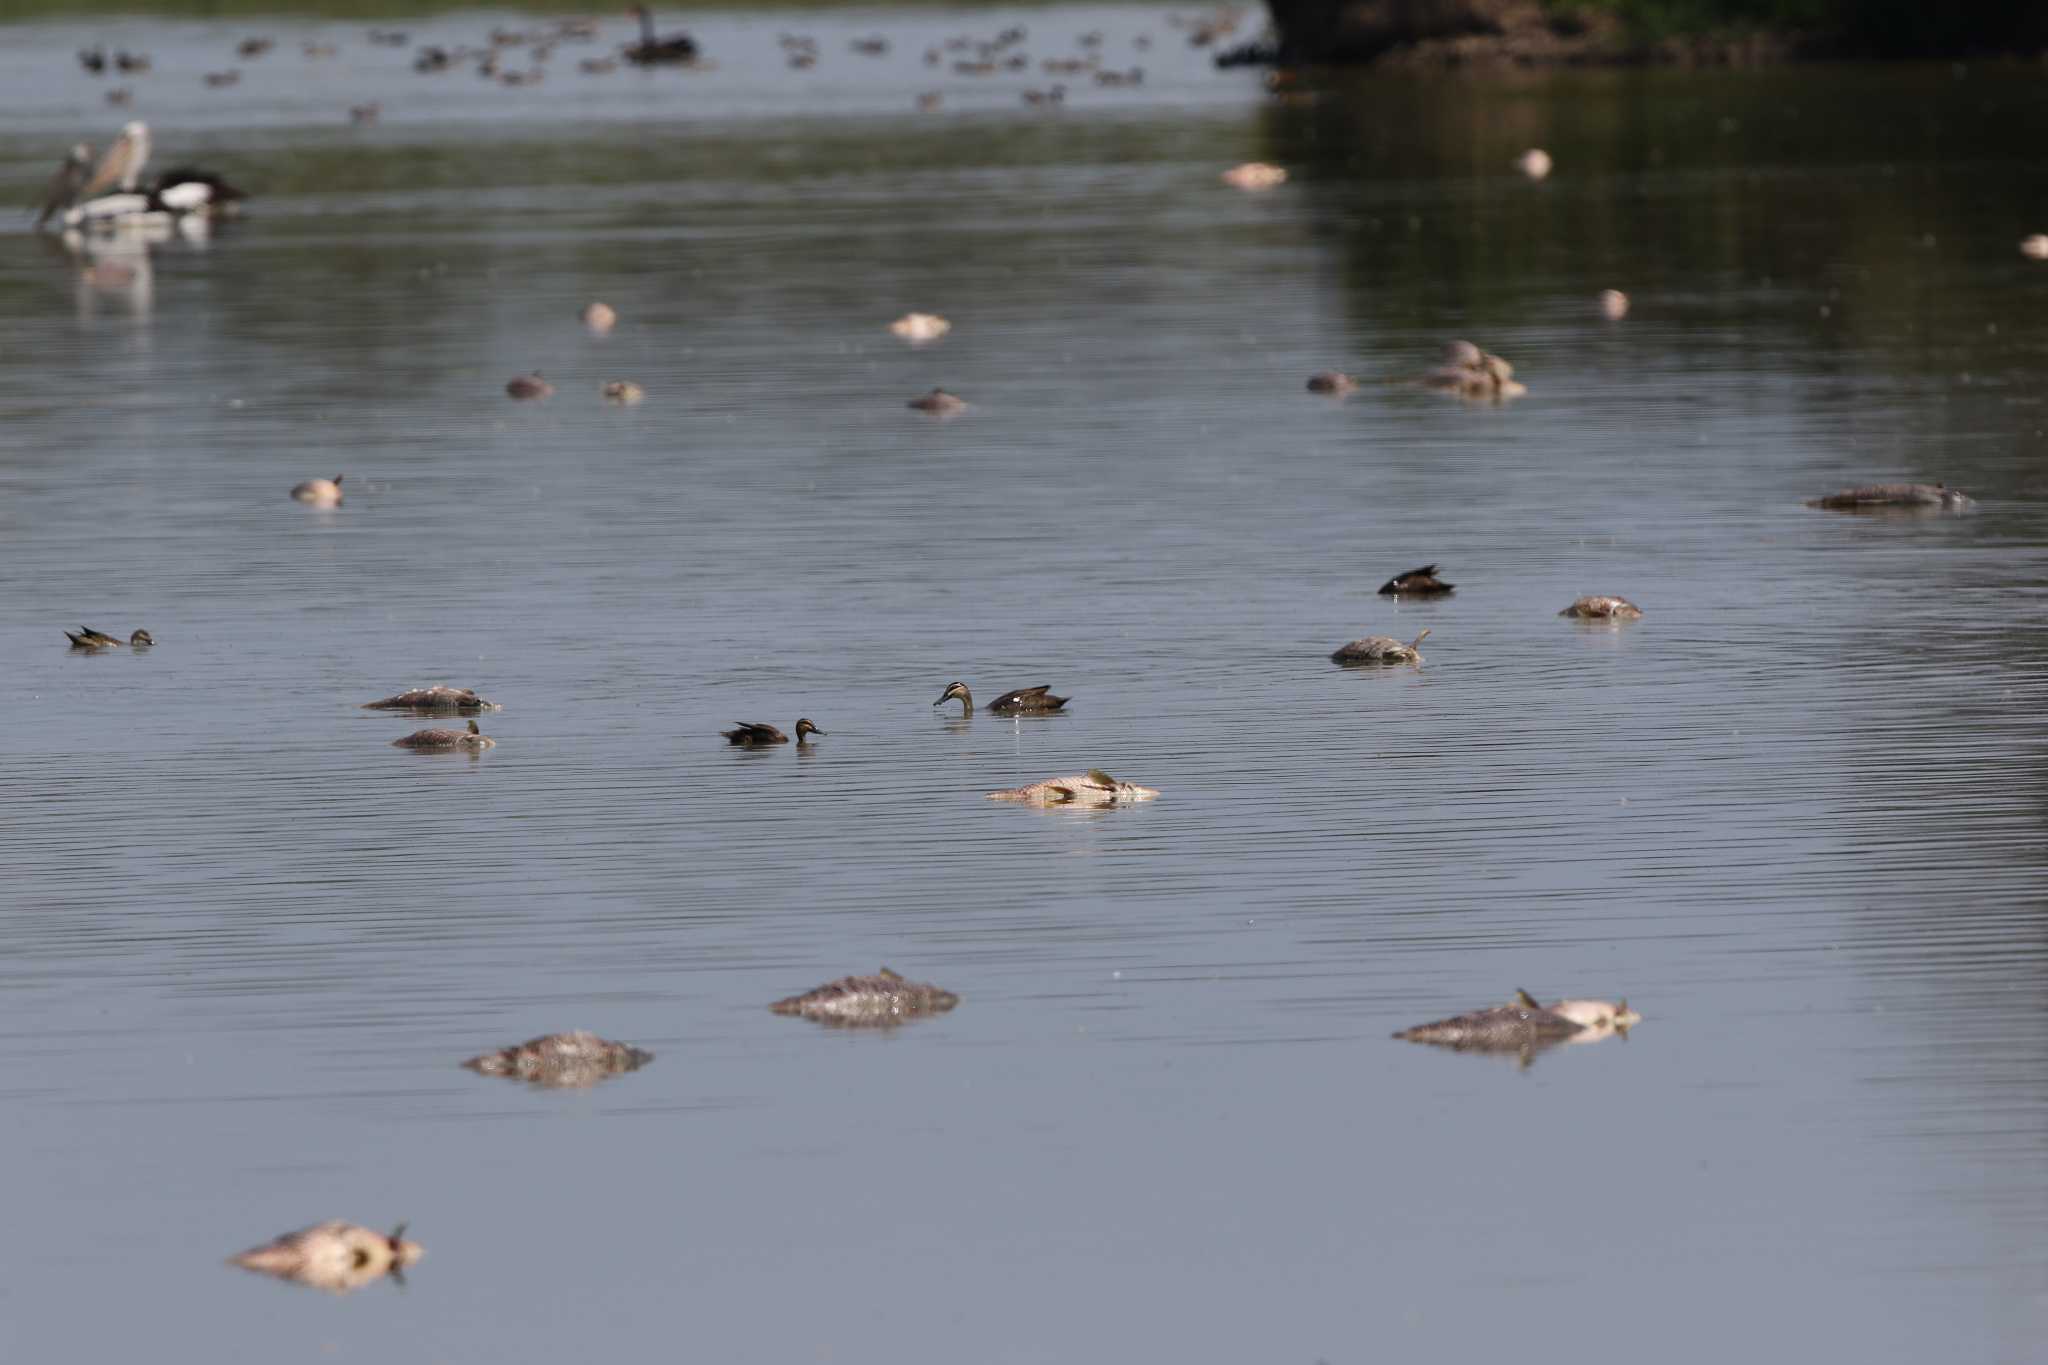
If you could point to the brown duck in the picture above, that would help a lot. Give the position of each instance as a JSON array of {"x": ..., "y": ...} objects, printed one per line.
[
  {"x": 1421, "y": 582},
  {"x": 1010, "y": 703},
  {"x": 751, "y": 734}
]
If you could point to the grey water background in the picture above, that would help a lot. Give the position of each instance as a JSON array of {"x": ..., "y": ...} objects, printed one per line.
[{"x": 1794, "y": 814}]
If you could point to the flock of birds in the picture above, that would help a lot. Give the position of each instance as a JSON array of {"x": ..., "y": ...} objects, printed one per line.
[{"x": 519, "y": 57}]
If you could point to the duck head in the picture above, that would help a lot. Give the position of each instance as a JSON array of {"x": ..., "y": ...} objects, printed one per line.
[
  {"x": 956, "y": 691},
  {"x": 141, "y": 639},
  {"x": 804, "y": 727}
]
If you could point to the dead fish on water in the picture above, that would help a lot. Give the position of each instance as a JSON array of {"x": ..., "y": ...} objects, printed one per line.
[
  {"x": 1380, "y": 649},
  {"x": 1092, "y": 788},
  {"x": 319, "y": 492},
  {"x": 1604, "y": 608},
  {"x": 562, "y": 1060},
  {"x": 1526, "y": 1026},
  {"x": 474, "y": 740},
  {"x": 1880, "y": 496},
  {"x": 439, "y": 697},
  {"x": 881, "y": 1000},
  {"x": 334, "y": 1256}
]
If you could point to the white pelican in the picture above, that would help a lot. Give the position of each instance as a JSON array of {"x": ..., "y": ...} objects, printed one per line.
[{"x": 177, "y": 194}]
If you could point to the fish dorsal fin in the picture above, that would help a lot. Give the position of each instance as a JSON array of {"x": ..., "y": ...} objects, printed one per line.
[
  {"x": 1526, "y": 1000},
  {"x": 1099, "y": 776}
]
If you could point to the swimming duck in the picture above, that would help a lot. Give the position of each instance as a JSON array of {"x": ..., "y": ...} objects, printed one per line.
[
  {"x": 879, "y": 1001},
  {"x": 753, "y": 735},
  {"x": 133, "y": 63},
  {"x": 1254, "y": 175},
  {"x": 1334, "y": 382},
  {"x": 1881, "y": 495},
  {"x": 529, "y": 386},
  {"x": 1010, "y": 703},
  {"x": 319, "y": 492},
  {"x": 1380, "y": 649},
  {"x": 1600, "y": 608},
  {"x": 85, "y": 637},
  {"x": 653, "y": 51},
  {"x": 1092, "y": 788},
  {"x": 472, "y": 739},
  {"x": 438, "y": 698},
  {"x": 560, "y": 1061},
  {"x": 94, "y": 60},
  {"x": 334, "y": 1256},
  {"x": 623, "y": 393},
  {"x": 939, "y": 403},
  {"x": 249, "y": 49},
  {"x": 920, "y": 327},
  {"x": 1421, "y": 582}
]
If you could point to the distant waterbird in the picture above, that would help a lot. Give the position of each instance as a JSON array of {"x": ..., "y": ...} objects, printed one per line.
[
  {"x": 1333, "y": 382},
  {"x": 599, "y": 318},
  {"x": 657, "y": 51},
  {"x": 529, "y": 387},
  {"x": 623, "y": 393}
]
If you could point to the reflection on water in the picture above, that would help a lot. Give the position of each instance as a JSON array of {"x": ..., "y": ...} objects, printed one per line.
[{"x": 1794, "y": 813}]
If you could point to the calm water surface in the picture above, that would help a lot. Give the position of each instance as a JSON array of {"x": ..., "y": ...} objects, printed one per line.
[{"x": 1795, "y": 815}]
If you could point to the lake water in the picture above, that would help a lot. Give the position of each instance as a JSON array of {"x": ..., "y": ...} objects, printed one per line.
[{"x": 1795, "y": 814}]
